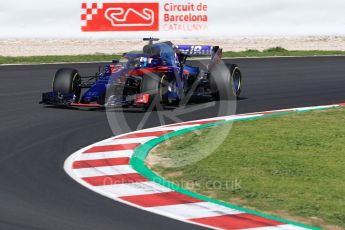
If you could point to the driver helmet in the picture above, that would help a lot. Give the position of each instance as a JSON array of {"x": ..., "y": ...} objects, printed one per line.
[{"x": 143, "y": 61}]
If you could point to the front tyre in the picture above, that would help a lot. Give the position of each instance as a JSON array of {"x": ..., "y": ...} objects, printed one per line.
[
  {"x": 156, "y": 87},
  {"x": 236, "y": 80},
  {"x": 67, "y": 81}
]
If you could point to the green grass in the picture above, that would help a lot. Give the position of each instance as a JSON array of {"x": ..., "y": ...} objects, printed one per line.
[
  {"x": 277, "y": 51},
  {"x": 292, "y": 166},
  {"x": 62, "y": 58}
]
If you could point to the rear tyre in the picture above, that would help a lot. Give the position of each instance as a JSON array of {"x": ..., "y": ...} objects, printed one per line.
[
  {"x": 225, "y": 82},
  {"x": 67, "y": 81}
]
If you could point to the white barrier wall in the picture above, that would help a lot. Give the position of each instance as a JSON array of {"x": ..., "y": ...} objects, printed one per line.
[{"x": 62, "y": 19}]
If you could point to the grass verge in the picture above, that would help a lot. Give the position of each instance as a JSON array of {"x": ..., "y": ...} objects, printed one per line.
[
  {"x": 55, "y": 59},
  {"x": 277, "y": 51},
  {"x": 291, "y": 166},
  {"x": 281, "y": 52}
]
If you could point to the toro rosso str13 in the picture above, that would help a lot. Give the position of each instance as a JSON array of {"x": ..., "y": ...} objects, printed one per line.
[{"x": 158, "y": 75}]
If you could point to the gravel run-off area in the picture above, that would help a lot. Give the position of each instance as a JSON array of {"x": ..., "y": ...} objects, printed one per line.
[{"x": 34, "y": 47}]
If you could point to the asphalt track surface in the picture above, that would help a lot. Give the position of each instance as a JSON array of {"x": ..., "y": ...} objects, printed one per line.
[{"x": 36, "y": 193}]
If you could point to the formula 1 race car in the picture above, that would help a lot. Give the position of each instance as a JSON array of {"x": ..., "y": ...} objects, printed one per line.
[{"x": 158, "y": 75}]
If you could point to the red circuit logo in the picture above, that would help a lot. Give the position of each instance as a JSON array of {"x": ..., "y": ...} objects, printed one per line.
[{"x": 120, "y": 17}]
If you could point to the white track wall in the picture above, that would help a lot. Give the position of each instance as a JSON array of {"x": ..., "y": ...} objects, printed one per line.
[{"x": 61, "y": 19}]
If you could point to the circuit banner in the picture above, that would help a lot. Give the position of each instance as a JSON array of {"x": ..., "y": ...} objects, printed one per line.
[
  {"x": 144, "y": 16},
  {"x": 170, "y": 19}
]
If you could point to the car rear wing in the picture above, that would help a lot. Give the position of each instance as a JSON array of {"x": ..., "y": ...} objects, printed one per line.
[
  {"x": 215, "y": 52},
  {"x": 198, "y": 50}
]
